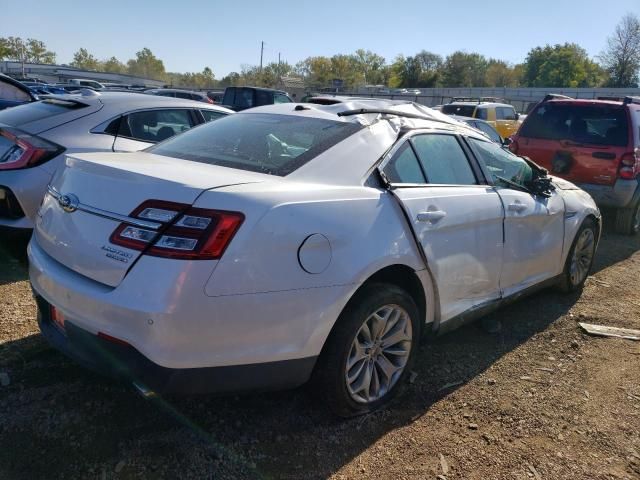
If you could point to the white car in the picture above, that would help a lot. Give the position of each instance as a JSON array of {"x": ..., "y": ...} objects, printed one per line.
[
  {"x": 292, "y": 241},
  {"x": 35, "y": 137}
]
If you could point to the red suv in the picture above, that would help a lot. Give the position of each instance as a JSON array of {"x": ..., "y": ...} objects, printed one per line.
[{"x": 592, "y": 143}]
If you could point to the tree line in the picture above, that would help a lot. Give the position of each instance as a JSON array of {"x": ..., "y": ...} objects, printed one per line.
[{"x": 561, "y": 65}]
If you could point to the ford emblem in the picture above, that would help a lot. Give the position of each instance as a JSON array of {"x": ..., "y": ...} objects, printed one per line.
[{"x": 69, "y": 202}]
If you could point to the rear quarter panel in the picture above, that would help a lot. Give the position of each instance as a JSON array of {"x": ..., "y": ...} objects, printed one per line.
[{"x": 364, "y": 227}]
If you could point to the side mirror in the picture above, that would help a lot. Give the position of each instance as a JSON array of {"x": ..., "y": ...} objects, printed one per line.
[
  {"x": 517, "y": 116},
  {"x": 507, "y": 141}
]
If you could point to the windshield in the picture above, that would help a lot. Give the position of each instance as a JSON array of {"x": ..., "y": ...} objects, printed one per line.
[
  {"x": 461, "y": 110},
  {"x": 259, "y": 142},
  {"x": 590, "y": 124}
]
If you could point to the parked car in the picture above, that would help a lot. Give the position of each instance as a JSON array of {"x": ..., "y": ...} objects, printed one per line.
[
  {"x": 177, "y": 93},
  {"x": 39, "y": 88},
  {"x": 34, "y": 138},
  {"x": 594, "y": 143},
  {"x": 502, "y": 116},
  {"x": 484, "y": 127},
  {"x": 13, "y": 93},
  {"x": 291, "y": 241},
  {"x": 241, "y": 98},
  {"x": 216, "y": 96},
  {"x": 83, "y": 82}
]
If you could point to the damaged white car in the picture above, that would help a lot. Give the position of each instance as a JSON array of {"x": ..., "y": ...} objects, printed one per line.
[{"x": 293, "y": 242}]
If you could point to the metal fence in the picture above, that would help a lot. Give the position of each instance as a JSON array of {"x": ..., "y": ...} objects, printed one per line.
[{"x": 520, "y": 98}]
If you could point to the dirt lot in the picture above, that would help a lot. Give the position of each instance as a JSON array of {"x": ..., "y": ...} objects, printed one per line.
[{"x": 540, "y": 400}]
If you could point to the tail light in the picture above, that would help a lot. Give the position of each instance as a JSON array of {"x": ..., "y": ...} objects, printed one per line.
[
  {"x": 20, "y": 149},
  {"x": 629, "y": 165},
  {"x": 186, "y": 232},
  {"x": 513, "y": 146},
  {"x": 209, "y": 100}
]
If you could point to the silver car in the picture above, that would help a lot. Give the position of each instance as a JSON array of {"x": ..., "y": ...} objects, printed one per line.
[{"x": 35, "y": 137}]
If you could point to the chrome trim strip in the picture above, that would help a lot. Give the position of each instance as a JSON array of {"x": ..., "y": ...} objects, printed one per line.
[{"x": 106, "y": 214}]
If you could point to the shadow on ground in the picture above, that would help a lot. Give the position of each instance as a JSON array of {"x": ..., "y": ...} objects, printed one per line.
[{"x": 81, "y": 425}]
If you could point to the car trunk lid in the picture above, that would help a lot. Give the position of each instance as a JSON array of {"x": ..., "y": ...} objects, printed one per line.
[{"x": 97, "y": 193}]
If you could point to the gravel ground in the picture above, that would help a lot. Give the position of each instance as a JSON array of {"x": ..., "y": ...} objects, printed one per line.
[{"x": 540, "y": 400}]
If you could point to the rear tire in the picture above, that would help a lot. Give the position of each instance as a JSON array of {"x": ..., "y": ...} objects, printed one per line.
[
  {"x": 628, "y": 220},
  {"x": 370, "y": 351},
  {"x": 580, "y": 258}
]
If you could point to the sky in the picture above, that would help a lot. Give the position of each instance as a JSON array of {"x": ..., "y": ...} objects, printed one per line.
[{"x": 191, "y": 34}]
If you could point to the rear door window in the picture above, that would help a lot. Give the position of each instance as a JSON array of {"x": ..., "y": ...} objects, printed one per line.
[
  {"x": 482, "y": 113},
  {"x": 588, "y": 124},
  {"x": 443, "y": 160},
  {"x": 404, "y": 167},
  {"x": 155, "y": 125}
]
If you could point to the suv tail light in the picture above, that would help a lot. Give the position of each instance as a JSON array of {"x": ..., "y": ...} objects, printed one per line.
[
  {"x": 629, "y": 165},
  {"x": 208, "y": 99},
  {"x": 20, "y": 149},
  {"x": 186, "y": 233}
]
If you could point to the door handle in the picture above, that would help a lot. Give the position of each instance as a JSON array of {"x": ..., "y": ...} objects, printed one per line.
[
  {"x": 431, "y": 216},
  {"x": 517, "y": 207}
]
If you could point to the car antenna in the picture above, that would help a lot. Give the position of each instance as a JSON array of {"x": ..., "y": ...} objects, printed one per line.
[{"x": 362, "y": 111}]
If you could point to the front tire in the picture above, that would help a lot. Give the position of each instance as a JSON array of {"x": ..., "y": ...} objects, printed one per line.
[
  {"x": 580, "y": 258},
  {"x": 370, "y": 351},
  {"x": 628, "y": 220}
]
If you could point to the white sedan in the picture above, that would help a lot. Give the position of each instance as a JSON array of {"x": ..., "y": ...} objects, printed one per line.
[{"x": 292, "y": 242}]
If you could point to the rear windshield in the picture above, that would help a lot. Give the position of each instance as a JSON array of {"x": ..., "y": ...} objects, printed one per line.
[
  {"x": 590, "y": 124},
  {"x": 461, "y": 110},
  {"x": 258, "y": 142},
  {"x": 37, "y": 111}
]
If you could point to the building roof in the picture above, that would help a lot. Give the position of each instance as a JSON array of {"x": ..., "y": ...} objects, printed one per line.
[{"x": 292, "y": 82}]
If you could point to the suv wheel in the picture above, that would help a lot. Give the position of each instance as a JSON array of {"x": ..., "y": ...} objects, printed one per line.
[
  {"x": 370, "y": 351},
  {"x": 580, "y": 258},
  {"x": 628, "y": 220}
]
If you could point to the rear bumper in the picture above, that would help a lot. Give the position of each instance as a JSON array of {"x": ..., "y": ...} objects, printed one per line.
[
  {"x": 124, "y": 363},
  {"x": 618, "y": 195}
]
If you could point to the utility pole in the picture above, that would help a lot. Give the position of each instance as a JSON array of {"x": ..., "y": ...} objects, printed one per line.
[
  {"x": 279, "y": 68},
  {"x": 261, "y": 53}
]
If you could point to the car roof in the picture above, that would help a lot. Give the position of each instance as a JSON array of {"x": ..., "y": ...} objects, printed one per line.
[
  {"x": 135, "y": 100},
  {"x": 260, "y": 88},
  {"x": 583, "y": 101},
  {"x": 433, "y": 119},
  {"x": 174, "y": 90},
  {"x": 481, "y": 104},
  {"x": 469, "y": 119}
]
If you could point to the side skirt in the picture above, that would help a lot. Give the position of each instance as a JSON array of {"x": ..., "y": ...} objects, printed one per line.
[{"x": 483, "y": 309}]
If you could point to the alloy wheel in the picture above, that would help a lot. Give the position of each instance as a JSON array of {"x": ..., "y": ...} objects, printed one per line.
[
  {"x": 582, "y": 257},
  {"x": 379, "y": 354}
]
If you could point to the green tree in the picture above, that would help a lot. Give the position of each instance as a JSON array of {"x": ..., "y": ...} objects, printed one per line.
[
  {"x": 146, "y": 65},
  {"x": 36, "y": 52},
  {"x": 113, "y": 65},
  {"x": 371, "y": 65},
  {"x": 31, "y": 50},
  {"x": 463, "y": 69},
  {"x": 621, "y": 57},
  {"x": 501, "y": 74},
  {"x": 565, "y": 65},
  {"x": 84, "y": 60}
]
